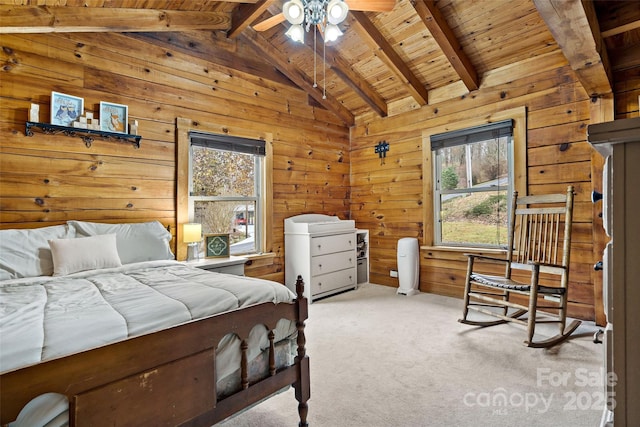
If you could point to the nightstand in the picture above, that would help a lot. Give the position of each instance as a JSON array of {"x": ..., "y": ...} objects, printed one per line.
[{"x": 229, "y": 265}]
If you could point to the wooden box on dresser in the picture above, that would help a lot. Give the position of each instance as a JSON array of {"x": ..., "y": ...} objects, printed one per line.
[
  {"x": 321, "y": 248},
  {"x": 619, "y": 143}
]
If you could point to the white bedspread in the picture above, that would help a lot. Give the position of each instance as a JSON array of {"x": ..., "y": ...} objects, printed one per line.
[{"x": 47, "y": 317}]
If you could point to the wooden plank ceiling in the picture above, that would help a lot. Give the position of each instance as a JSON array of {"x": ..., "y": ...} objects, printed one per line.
[{"x": 385, "y": 61}]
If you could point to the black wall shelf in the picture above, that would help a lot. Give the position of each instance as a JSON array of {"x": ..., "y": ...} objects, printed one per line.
[{"x": 87, "y": 135}]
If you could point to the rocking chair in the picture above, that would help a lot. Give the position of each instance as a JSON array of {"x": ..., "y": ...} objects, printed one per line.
[{"x": 536, "y": 270}]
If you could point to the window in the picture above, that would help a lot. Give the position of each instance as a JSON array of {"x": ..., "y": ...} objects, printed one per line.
[
  {"x": 473, "y": 180},
  {"x": 226, "y": 187}
]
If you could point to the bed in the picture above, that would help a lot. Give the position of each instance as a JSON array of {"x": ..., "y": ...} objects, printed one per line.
[{"x": 100, "y": 326}]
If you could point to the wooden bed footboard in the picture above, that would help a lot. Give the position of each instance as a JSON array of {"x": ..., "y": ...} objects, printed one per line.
[{"x": 166, "y": 377}]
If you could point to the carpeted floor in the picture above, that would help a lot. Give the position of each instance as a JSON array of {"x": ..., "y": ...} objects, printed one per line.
[{"x": 384, "y": 360}]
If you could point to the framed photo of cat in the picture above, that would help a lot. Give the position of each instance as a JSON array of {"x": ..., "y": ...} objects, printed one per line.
[{"x": 113, "y": 117}]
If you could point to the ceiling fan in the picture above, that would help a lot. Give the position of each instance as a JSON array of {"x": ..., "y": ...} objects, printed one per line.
[{"x": 362, "y": 5}]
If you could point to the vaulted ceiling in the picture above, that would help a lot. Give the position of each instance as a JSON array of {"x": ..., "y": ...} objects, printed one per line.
[{"x": 386, "y": 61}]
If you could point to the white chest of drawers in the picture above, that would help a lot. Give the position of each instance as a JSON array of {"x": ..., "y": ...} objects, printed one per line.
[
  {"x": 324, "y": 256},
  {"x": 619, "y": 142}
]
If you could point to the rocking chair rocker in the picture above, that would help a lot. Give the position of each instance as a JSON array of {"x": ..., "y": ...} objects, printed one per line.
[{"x": 538, "y": 253}]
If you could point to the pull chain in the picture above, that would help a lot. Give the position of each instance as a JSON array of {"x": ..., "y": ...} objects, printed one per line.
[
  {"x": 315, "y": 37},
  {"x": 324, "y": 67}
]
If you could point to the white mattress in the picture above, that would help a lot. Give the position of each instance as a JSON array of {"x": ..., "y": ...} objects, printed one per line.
[{"x": 47, "y": 317}]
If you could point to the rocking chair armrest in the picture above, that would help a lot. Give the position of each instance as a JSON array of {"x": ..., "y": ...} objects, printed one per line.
[
  {"x": 549, "y": 268},
  {"x": 486, "y": 258}
]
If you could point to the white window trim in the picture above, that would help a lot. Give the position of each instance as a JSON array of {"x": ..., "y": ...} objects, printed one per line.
[{"x": 256, "y": 198}]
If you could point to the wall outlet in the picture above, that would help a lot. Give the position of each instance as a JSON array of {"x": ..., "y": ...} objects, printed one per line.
[{"x": 393, "y": 273}]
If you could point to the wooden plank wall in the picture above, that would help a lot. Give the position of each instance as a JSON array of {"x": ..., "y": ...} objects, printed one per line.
[
  {"x": 49, "y": 179},
  {"x": 387, "y": 198},
  {"x": 627, "y": 93}
]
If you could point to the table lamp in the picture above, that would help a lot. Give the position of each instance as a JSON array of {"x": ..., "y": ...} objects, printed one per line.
[{"x": 192, "y": 235}]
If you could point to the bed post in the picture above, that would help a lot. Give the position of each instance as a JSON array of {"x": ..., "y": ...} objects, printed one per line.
[{"x": 302, "y": 385}]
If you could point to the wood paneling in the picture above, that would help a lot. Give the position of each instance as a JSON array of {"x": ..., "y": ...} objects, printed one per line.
[
  {"x": 49, "y": 179},
  {"x": 558, "y": 111},
  {"x": 318, "y": 165}
]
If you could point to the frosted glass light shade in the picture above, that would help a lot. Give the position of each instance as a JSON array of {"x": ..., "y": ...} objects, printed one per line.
[
  {"x": 332, "y": 33},
  {"x": 296, "y": 33},
  {"x": 293, "y": 10},
  {"x": 191, "y": 233},
  {"x": 337, "y": 11}
]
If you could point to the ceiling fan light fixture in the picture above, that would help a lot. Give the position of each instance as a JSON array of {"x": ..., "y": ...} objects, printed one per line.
[
  {"x": 332, "y": 33},
  {"x": 337, "y": 11},
  {"x": 293, "y": 11},
  {"x": 296, "y": 33}
]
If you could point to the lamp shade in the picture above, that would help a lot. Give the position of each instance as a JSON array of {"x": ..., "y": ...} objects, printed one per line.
[
  {"x": 332, "y": 33},
  {"x": 296, "y": 33},
  {"x": 337, "y": 11},
  {"x": 293, "y": 11},
  {"x": 191, "y": 233}
]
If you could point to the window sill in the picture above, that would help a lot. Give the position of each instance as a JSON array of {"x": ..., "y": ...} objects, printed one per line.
[
  {"x": 462, "y": 250},
  {"x": 264, "y": 258}
]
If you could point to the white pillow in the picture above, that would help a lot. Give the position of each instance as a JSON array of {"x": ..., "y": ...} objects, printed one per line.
[
  {"x": 137, "y": 242},
  {"x": 84, "y": 253},
  {"x": 26, "y": 252}
]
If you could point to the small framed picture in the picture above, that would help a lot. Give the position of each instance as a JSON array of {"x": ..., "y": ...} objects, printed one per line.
[
  {"x": 65, "y": 109},
  {"x": 216, "y": 245},
  {"x": 113, "y": 117}
]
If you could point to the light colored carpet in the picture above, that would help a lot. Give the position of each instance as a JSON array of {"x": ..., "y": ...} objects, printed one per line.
[{"x": 381, "y": 359}]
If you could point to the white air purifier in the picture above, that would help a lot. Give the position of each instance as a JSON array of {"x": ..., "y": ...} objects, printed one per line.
[{"x": 408, "y": 266}]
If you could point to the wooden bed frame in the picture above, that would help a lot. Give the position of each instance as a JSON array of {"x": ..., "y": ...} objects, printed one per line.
[{"x": 166, "y": 377}]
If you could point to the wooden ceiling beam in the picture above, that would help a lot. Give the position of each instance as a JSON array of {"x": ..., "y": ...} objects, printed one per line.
[
  {"x": 581, "y": 42},
  {"x": 338, "y": 64},
  {"x": 45, "y": 19},
  {"x": 448, "y": 42},
  {"x": 389, "y": 56},
  {"x": 359, "y": 85},
  {"x": 270, "y": 53},
  {"x": 245, "y": 14},
  {"x": 347, "y": 74}
]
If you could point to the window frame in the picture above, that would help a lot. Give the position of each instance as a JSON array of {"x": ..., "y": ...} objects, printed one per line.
[
  {"x": 183, "y": 127},
  {"x": 519, "y": 116},
  {"x": 465, "y": 137},
  {"x": 253, "y": 147}
]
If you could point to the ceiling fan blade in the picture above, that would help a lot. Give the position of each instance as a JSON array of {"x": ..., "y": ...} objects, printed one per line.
[
  {"x": 269, "y": 22},
  {"x": 363, "y": 5},
  {"x": 372, "y": 5}
]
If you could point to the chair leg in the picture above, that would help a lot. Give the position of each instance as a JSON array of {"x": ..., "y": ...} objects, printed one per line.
[
  {"x": 562, "y": 312},
  {"x": 506, "y": 296},
  {"x": 467, "y": 289},
  {"x": 533, "y": 304}
]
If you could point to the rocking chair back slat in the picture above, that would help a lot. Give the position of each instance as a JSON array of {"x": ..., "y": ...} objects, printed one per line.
[{"x": 538, "y": 234}]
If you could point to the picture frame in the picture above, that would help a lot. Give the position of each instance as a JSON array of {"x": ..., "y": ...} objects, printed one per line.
[
  {"x": 65, "y": 109},
  {"x": 113, "y": 117},
  {"x": 216, "y": 245}
]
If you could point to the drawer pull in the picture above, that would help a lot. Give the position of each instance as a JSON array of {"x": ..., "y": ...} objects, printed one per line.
[{"x": 319, "y": 265}]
